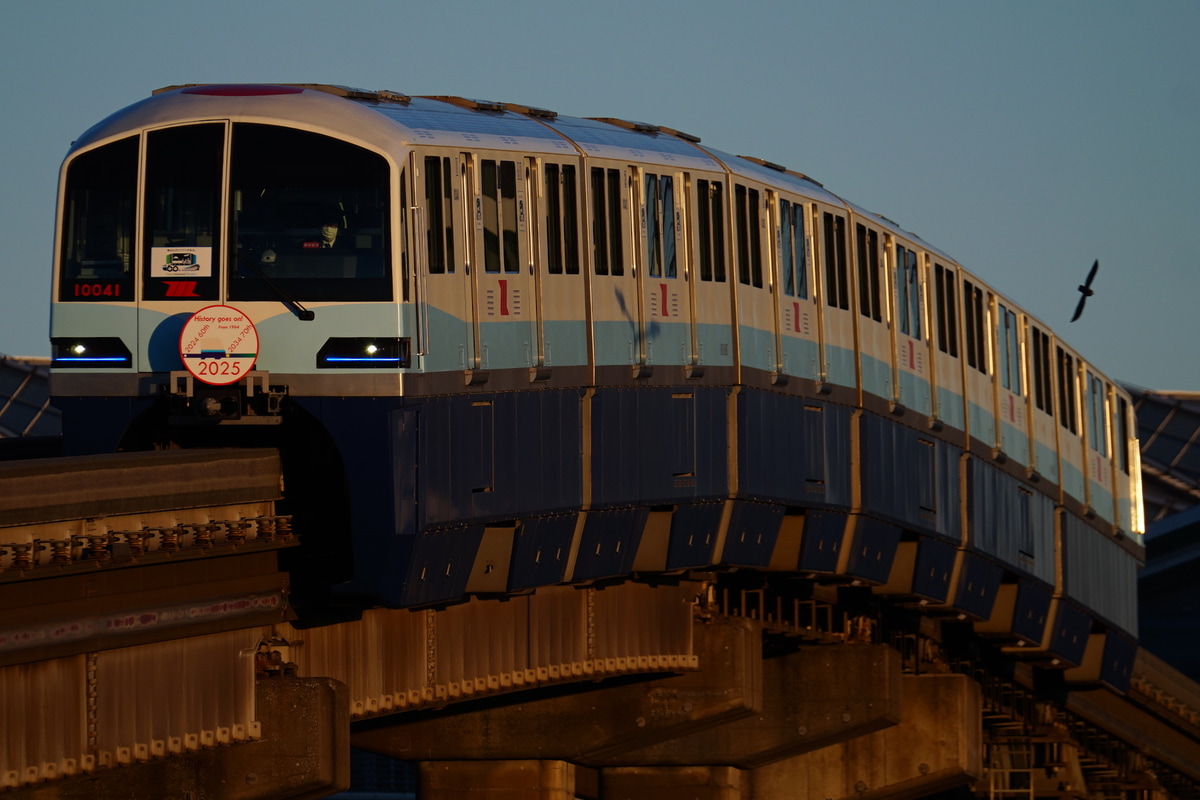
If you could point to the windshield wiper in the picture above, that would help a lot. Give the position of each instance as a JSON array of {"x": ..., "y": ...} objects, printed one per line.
[{"x": 293, "y": 304}]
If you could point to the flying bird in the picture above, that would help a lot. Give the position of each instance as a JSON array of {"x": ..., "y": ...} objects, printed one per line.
[{"x": 1086, "y": 289}]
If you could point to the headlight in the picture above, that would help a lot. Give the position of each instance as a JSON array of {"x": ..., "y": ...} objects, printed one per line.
[
  {"x": 104, "y": 351},
  {"x": 365, "y": 352}
]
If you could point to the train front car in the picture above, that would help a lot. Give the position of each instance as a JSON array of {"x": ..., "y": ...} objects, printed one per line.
[
  {"x": 501, "y": 349},
  {"x": 230, "y": 266}
]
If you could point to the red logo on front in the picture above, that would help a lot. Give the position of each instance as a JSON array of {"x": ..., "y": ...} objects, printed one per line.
[{"x": 181, "y": 289}]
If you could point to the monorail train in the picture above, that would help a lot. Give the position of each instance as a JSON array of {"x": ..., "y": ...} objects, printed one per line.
[{"x": 503, "y": 348}]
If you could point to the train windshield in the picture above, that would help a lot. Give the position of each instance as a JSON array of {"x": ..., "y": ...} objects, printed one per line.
[
  {"x": 98, "y": 224},
  {"x": 309, "y": 216}
]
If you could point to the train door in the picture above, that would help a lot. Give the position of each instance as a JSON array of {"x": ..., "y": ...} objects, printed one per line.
[
  {"x": 713, "y": 332},
  {"x": 666, "y": 307},
  {"x": 1070, "y": 435},
  {"x": 797, "y": 329},
  {"x": 947, "y": 369},
  {"x": 1099, "y": 464},
  {"x": 874, "y": 337},
  {"x": 836, "y": 317},
  {"x": 979, "y": 389},
  {"x": 447, "y": 340},
  {"x": 502, "y": 278},
  {"x": 561, "y": 311},
  {"x": 911, "y": 375},
  {"x": 1126, "y": 465},
  {"x": 755, "y": 309},
  {"x": 1011, "y": 400},
  {"x": 616, "y": 336},
  {"x": 1042, "y": 428}
]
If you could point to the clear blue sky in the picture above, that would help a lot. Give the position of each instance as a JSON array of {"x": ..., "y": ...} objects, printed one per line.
[{"x": 1024, "y": 138}]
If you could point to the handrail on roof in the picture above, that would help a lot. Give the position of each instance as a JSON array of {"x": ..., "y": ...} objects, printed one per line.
[
  {"x": 349, "y": 92},
  {"x": 468, "y": 103}
]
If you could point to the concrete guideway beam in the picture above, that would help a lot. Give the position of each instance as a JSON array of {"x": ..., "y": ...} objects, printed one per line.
[
  {"x": 674, "y": 783},
  {"x": 49, "y": 489},
  {"x": 499, "y": 780},
  {"x": 937, "y": 746},
  {"x": 594, "y": 725},
  {"x": 303, "y": 753},
  {"x": 813, "y": 698}
]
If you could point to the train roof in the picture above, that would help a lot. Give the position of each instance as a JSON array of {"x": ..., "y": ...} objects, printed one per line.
[
  {"x": 445, "y": 121},
  {"x": 895, "y": 229}
]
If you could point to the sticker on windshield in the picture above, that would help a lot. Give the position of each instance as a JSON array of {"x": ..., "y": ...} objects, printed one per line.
[
  {"x": 218, "y": 345},
  {"x": 181, "y": 262}
]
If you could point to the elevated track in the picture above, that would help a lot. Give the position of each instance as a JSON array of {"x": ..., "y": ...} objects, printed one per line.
[{"x": 148, "y": 647}]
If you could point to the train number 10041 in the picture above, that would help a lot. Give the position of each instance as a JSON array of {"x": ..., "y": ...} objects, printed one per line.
[{"x": 97, "y": 290}]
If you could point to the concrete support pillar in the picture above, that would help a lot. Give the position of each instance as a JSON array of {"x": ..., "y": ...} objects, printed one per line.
[
  {"x": 937, "y": 746},
  {"x": 672, "y": 783},
  {"x": 497, "y": 780}
]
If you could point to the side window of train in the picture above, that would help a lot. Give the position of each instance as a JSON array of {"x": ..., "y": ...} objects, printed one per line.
[
  {"x": 1008, "y": 358},
  {"x": 1097, "y": 419},
  {"x": 498, "y": 184},
  {"x": 562, "y": 220},
  {"x": 183, "y": 212},
  {"x": 908, "y": 292},
  {"x": 792, "y": 249},
  {"x": 1043, "y": 394},
  {"x": 710, "y": 207},
  {"x": 659, "y": 225},
  {"x": 947, "y": 310},
  {"x": 973, "y": 326},
  {"x": 607, "y": 233},
  {"x": 439, "y": 204},
  {"x": 749, "y": 236},
  {"x": 97, "y": 248},
  {"x": 1066, "y": 391},
  {"x": 869, "y": 302},
  {"x": 837, "y": 278}
]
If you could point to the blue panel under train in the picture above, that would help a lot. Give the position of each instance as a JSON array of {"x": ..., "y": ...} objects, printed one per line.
[
  {"x": 933, "y": 570},
  {"x": 908, "y": 477},
  {"x": 753, "y": 529},
  {"x": 440, "y": 565},
  {"x": 647, "y": 445},
  {"x": 609, "y": 543},
  {"x": 1120, "y": 651},
  {"x": 792, "y": 450},
  {"x": 976, "y": 586},
  {"x": 1107, "y": 660},
  {"x": 822, "y": 541},
  {"x": 1032, "y": 611},
  {"x": 693, "y": 533},
  {"x": 1067, "y": 638},
  {"x": 868, "y": 549},
  {"x": 540, "y": 551},
  {"x": 1019, "y": 613}
]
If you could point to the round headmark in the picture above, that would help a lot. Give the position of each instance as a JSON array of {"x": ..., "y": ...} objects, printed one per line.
[{"x": 218, "y": 345}]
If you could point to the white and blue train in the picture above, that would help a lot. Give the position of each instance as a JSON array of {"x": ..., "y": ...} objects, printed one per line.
[{"x": 502, "y": 348}]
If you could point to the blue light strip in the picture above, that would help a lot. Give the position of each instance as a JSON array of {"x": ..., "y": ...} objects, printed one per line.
[
  {"x": 121, "y": 359},
  {"x": 359, "y": 358}
]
